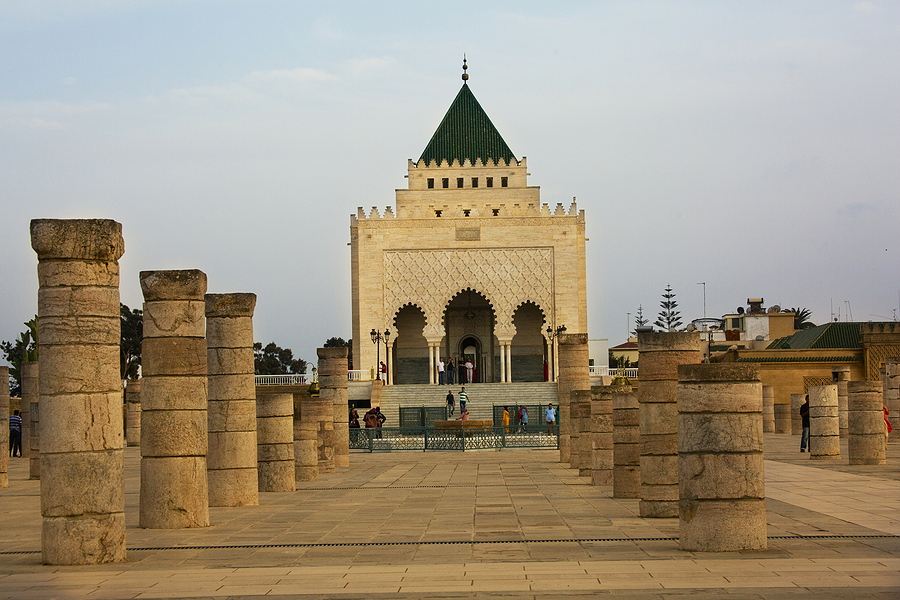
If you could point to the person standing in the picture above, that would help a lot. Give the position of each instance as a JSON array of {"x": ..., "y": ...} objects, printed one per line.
[
  {"x": 523, "y": 418},
  {"x": 450, "y": 373},
  {"x": 383, "y": 372},
  {"x": 550, "y": 417},
  {"x": 463, "y": 398},
  {"x": 15, "y": 434},
  {"x": 470, "y": 370},
  {"x": 440, "y": 367},
  {"x": 804, "y": 416},
  {"x": 505, "y": 421},
  {"x": 451, "y": 404},
  {"x": 354, "y": 419}
]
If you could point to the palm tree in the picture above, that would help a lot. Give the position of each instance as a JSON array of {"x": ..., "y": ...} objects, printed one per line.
[{"x": 801, "y": 318}]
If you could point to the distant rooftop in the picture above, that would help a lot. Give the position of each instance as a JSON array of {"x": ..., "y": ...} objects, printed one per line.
[{"x": 830, "y": 335}]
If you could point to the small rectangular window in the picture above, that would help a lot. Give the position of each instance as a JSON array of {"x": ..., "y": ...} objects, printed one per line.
[
  {"x": 490, "y": 182},
  {"x": 430, "y": 183},
  {"x": 495, "y": 212},
  {"x": 474, "y": 182},
  {"x": 504, "y": 181},
  {"x": 445, "y": 182},
  {"x": 466, "y": 212},
  {"x": 437, "y": 213},
  {"x": 459, "y": 182}
]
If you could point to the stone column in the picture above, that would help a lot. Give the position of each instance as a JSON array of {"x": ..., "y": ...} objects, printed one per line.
[
  {"x": 31, "y": 412},
  {"x": 659, "y": 356},
  {"x": 768, "y": 408},
  {"x": 82, "y": 483},
  {"x": 174, "y": 393},
  {"x": 782, "y": 418},
  {"x": 231, "y": 461},
  {"x": 722, "y": 496},
  {"x": 502, "y": 362},
  {"x": 796, "y": 421},
  {"x": 626, "y": 441},
  {"x": 824, "y": 437},
  {"x": 321, "y": 410},
  {"x": 892, "y": 394},
  {"x": 30, "y": 395},
  {"x": 431, "y": 363},
  {"x": 866, "y": 423},
  {"x": 333, "y": 389},
  {"x": 602, "y": 398},
  {"x": 509, "y": 361},
  {"x": 275, "y": 441},
  {"x": 574, "y": 374},
  {"x": 841, "y": 376},
  {"x": 580, "y": 434},
  {"x": 133, "y": 412},
  {"x": 306, "y": 446},
  {"x": 4, "y": 427}
]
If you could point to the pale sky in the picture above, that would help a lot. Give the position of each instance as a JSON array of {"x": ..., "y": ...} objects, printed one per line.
[{"x": 754, "y": 146}]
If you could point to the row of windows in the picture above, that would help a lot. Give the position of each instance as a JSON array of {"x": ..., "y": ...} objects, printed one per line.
[
  {"x": 489, "y": 181},
  {"x": 495, "y": 212}
]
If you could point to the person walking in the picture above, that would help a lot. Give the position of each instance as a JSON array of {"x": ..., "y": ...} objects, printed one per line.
[
  {"x": 523, "y": 418},
  {"x": 804, "y": 416},
  {"x": 550, "y": 417},
  {"x": 354, "y": 419},
  {"x": 463, "y": 398},
  {"x": 15, "y": 434},
  {"x": 505, "y": 421},
  {"x": 451, "y": 404},
  {"x": 440, "y": 368}
]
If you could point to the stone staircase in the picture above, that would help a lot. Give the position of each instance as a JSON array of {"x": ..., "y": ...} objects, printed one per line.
[{"x": 482, "y": 396}]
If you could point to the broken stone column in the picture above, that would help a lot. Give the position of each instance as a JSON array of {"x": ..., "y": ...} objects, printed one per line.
[
  {"x": 797, "y": 401},
  {"x": 306, "y": 435},
  {"x": 892, "y": 394},
  {"x": 574, "y": 374},
  {"x": 275, "y": 442},
  {"x": 82, "y": 468},
  {"x": 231, "y": 460},
  {"x": 174, "y": 393},
  {"x": 133, "y": 412},
  {"x": 30, "y": 395},
  {"x": 601, "y": 434},
  {"x": 841, "y": 376},
  {"x": 768, "y": 408},
  {"x": 4, "y": 427},
  {"x": 626, "y": 441},
  {"x": 333, "y": 388},
  {"x": 865, "y": 445},
  {"x": 782, "y": 418},
  {"x": 824, "y": 436},
  {"x": 580, "y": 440},
  {"x": 722, "y": 496},
  {"x": 660, "y": 353}
]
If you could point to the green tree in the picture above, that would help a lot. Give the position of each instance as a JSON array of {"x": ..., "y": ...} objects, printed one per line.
[
  {"x": 336, "y": 342},
  {"x": 639, "y": 320},
  {"x": 801, "y": 318},
  {"x": 24, "y": 349},
  {"x": 132, "y": 338},
  {"x": 619, "y": 362},
  {"x": 669, "y": 319},
  {"x": 274, "y": 360}
]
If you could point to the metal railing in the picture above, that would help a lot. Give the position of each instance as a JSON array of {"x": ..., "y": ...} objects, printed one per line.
[
  {"x": 291, "y": 379},
  {"x": 423, "y": 439},
  {"x": 630, "y": 372}
]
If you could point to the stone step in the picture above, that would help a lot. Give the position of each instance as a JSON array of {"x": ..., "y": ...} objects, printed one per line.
[{"x": 482, "y": 397}]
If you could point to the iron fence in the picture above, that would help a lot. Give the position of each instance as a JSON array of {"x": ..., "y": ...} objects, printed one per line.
[{"x": 389, "y": 439}]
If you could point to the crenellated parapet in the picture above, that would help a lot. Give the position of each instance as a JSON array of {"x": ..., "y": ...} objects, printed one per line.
[{"x": 487, "y": 210}]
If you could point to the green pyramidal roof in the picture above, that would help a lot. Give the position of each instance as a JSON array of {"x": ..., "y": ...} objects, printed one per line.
[{"x": 466, "y": 132}]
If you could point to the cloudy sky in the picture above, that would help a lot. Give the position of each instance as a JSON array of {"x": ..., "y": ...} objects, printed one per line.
[{"x": 751, "y": 146}]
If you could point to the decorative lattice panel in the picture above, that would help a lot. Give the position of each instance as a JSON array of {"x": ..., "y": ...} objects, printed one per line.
[
  {"x": 809, "y": 382},
  {"x": 431, "y": 278},
  {"x": 875, "y": 356}
]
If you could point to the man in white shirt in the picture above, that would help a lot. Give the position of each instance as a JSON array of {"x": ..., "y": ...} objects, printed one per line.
[
  {"x": 470, "y": 370},
  {"x": 440, "y": 366}
]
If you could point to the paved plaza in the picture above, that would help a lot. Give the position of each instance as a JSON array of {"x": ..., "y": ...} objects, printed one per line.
[{"x": 509, "y": 524}]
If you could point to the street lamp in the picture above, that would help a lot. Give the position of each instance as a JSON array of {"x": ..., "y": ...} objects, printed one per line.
[
  {"x": 377, "y": 338},
  {"x": 552, "y": 335},
  {"x": 555, "y": 334}
]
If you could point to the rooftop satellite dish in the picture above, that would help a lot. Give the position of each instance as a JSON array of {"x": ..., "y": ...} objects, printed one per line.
[
  {"x": 760, "y": 338},
  {"x": 740, "y": 310}
]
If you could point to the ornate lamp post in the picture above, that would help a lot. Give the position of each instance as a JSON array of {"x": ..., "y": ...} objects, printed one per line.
[{"x": 377, "y": 338}]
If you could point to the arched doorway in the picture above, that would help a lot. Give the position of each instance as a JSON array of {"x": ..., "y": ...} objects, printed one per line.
[
  {"x": 470, "y": 350},
  {"x": 469, "y": 323},
  {"x": 527, "y": 345},
  {"x": 410, "y": 347}
]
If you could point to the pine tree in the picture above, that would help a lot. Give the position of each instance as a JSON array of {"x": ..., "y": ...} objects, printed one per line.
[
  {"x": 668, "y": 317},
  {"x": 639, "y": 320}
]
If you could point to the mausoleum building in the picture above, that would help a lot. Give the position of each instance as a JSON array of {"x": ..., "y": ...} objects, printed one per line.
[{"x": 469, "y": 264}]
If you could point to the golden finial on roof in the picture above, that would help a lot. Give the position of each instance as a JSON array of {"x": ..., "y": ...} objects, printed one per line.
[{"x": 465, "y": 76}]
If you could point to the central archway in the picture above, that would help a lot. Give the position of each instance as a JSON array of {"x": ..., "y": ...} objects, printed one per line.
[{"x": 469, "y": 323}]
